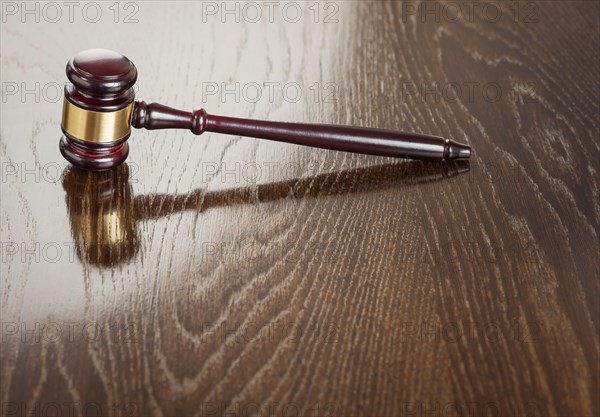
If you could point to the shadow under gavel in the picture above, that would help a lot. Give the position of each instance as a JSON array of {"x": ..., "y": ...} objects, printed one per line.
[{"x": 104, "y": 213}]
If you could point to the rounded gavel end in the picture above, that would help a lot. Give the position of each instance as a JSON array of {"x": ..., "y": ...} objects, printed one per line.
[{"x": 97, "y": 108}]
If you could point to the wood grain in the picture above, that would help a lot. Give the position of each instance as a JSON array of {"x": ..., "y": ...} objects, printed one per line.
[{"x": 231, "y": 276}]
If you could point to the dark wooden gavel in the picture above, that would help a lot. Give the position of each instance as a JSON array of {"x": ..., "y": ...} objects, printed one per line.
[{"x": 100, "y": 109}]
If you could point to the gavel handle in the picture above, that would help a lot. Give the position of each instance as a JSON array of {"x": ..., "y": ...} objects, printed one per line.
[{"x": 340, "y": 138}]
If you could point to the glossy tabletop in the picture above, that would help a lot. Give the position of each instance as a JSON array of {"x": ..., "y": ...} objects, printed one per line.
[{"x": 219, "y": 275}]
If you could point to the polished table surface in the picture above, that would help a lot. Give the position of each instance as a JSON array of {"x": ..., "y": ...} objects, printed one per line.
[{"x": 220, "y": 275}]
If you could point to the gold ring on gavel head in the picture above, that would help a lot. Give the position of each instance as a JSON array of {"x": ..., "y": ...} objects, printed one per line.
[{"x": 94, "y": 126}]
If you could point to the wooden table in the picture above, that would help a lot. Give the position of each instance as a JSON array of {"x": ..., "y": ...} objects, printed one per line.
[{"x": 220, "y": 275}]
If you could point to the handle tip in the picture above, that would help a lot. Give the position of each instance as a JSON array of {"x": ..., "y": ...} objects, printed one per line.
[{"x": 454, "y": 150}]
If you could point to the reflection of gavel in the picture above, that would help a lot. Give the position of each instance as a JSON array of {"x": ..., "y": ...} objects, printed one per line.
[
  {"x": 103, "y": 211},
  {"x": 99, "y": 110}
]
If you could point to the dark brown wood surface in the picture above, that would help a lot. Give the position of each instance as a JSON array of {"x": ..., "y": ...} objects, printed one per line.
[{"x": 219, "y": 275}]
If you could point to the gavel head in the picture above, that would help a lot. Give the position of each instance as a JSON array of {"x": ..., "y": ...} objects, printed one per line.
[{"x": 97, "y": 109}]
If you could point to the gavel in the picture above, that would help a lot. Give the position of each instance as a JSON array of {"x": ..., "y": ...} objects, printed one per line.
[{"x": 99, "y": 111}]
